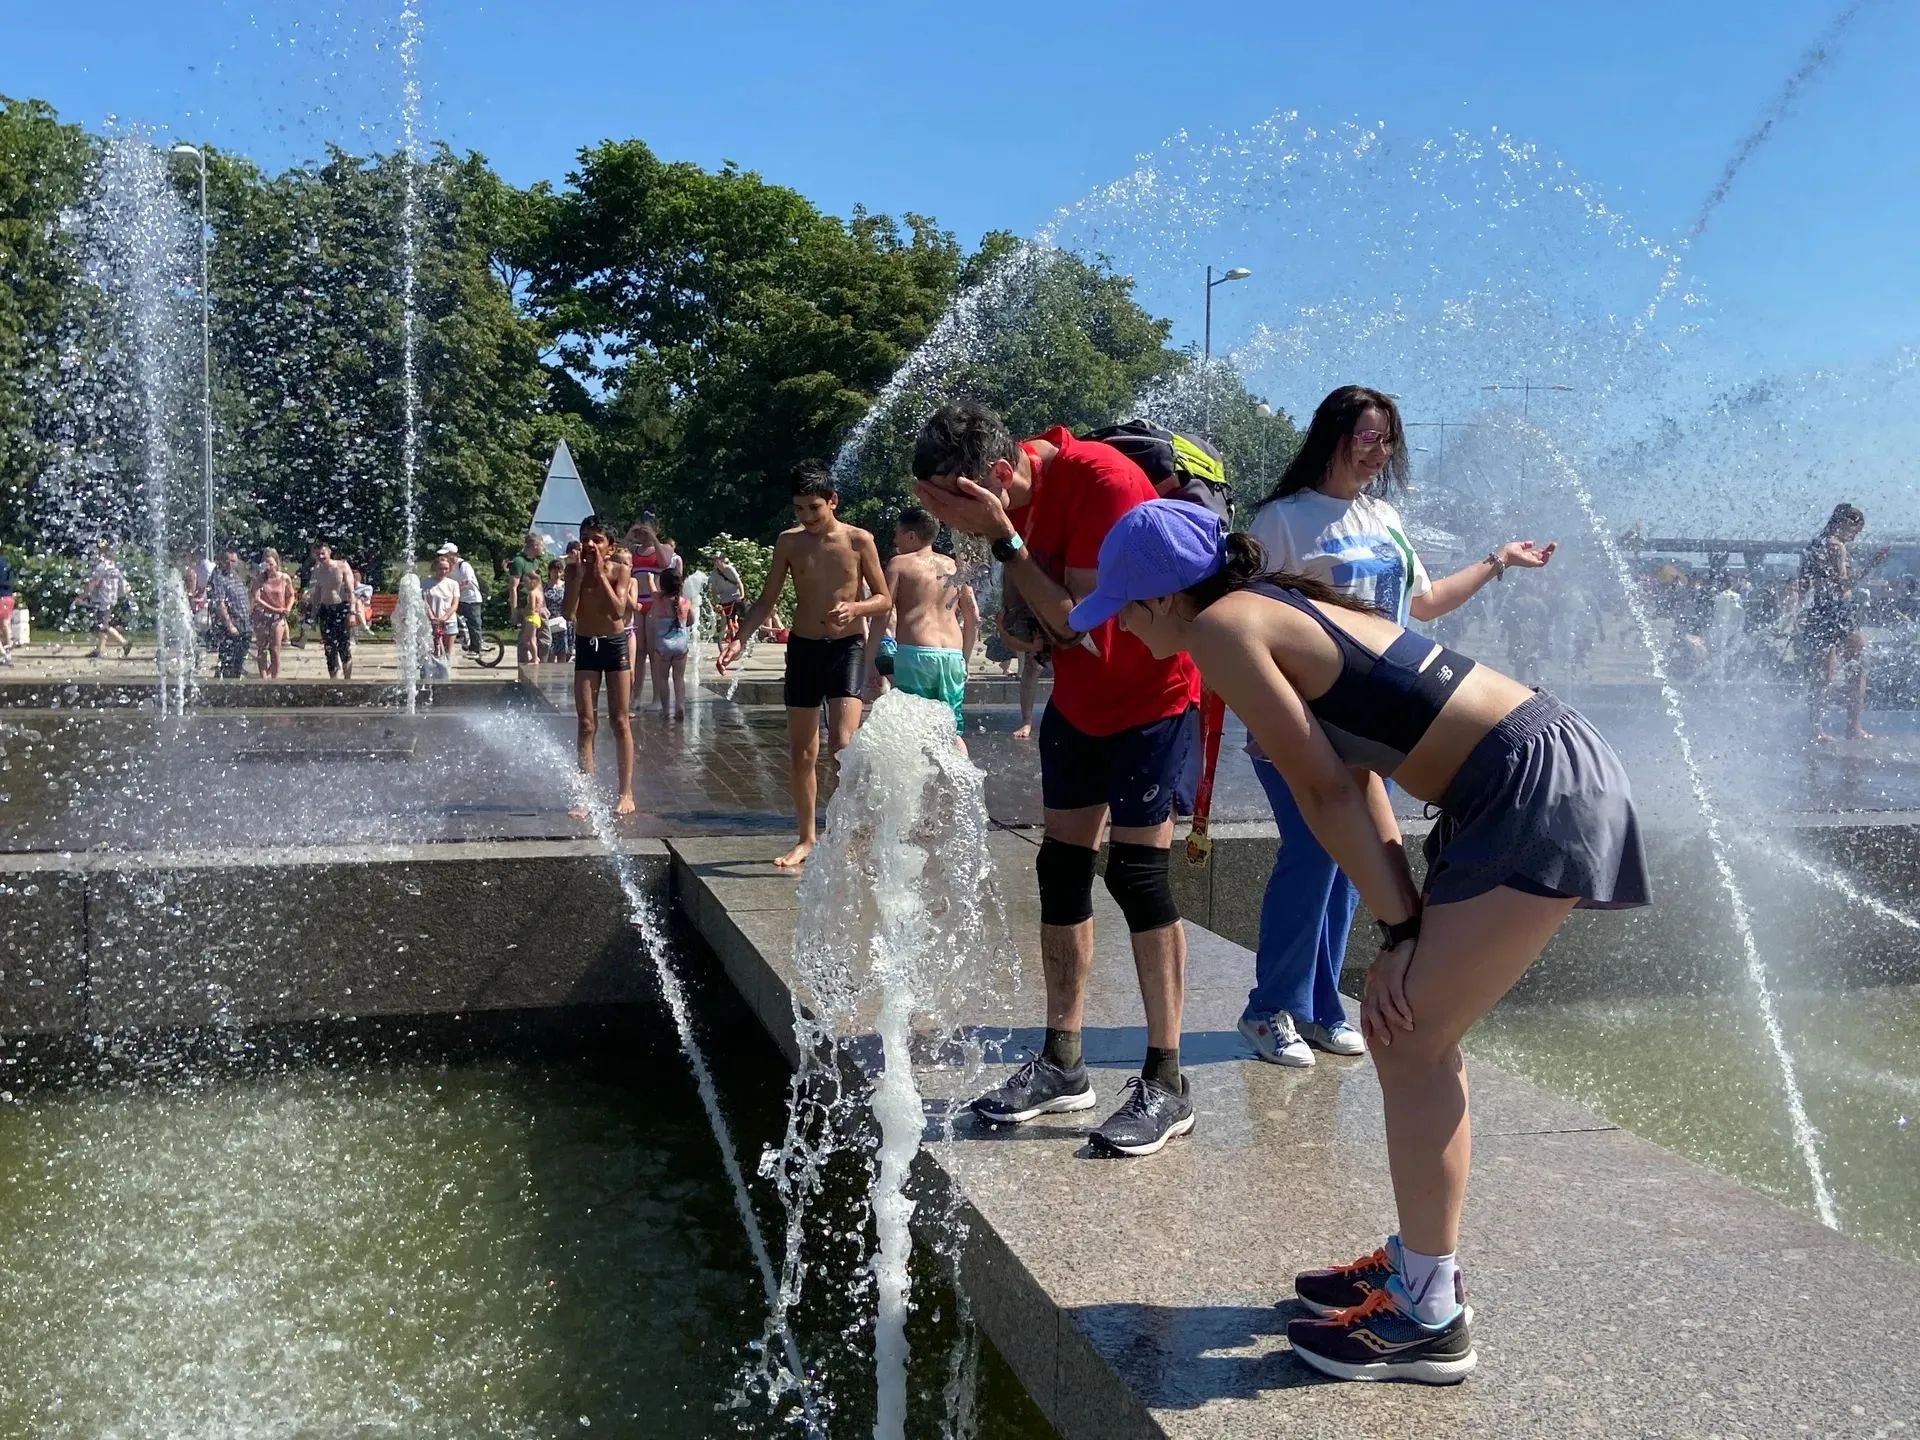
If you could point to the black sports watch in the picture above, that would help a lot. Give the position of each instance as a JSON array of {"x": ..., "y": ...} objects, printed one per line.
[
  {"x": 1396, "y": 935},
  {"x": 1005, "y": 550}
]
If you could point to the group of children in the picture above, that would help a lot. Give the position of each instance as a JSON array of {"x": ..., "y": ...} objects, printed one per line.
[{"x": 856, "y": 624}]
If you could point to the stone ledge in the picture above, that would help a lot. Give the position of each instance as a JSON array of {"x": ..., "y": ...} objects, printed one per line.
[
  {"x": 192, "y": 939},
  {"x": 1138, "y": 1298}
]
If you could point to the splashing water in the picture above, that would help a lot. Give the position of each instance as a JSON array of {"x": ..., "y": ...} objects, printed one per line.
[
  {"x": 176, "y": 652},
  {"x": 900, "y": 905},
  {"x": 643, "y": 913},
  {"x": 695, "y": 590},
  {"x": 1834, "y": 880},
  {"x": 412, "y": 640},
  {"x": 1806, "y": 1138},
  {"x": 409, "y": 223}
]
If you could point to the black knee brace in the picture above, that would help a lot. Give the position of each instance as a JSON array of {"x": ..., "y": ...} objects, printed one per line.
[
  {"x": 1066, "y": 882},
  {"x": 1137, "y": 880}
]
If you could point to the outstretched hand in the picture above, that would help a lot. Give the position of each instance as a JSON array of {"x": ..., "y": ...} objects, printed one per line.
[
  {"x": 967, "y": 507},
  {"x": 730, "y": 649},
  {"x": 1526, "y": 555},
  {"x": 1383, "y": 1004}
]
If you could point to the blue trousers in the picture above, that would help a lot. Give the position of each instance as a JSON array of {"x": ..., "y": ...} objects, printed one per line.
[{"x": 1304, "y": 919}]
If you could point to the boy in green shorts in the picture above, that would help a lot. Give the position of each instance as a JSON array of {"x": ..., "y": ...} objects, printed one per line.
[{"x": 934, "y": 618}]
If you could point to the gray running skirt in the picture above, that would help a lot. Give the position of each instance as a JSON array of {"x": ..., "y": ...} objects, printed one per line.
[{"x": 1542, "y": 804}]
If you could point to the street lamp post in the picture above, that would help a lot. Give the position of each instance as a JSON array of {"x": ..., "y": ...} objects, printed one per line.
[
  {"x": 1440, "y": 454},
  {"x": 1526, "y": 389},
  {"x": 1238, "y": 272},
  {"x": 206, "y": 353}
]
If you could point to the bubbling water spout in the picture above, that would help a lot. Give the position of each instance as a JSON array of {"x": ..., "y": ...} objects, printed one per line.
[{"x": 412, "y": 642}]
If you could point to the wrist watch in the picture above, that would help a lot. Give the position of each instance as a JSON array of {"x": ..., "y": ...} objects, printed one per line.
[
  {"x": 1005, "y": 550},
  {"x": 1392, "y": 936}
]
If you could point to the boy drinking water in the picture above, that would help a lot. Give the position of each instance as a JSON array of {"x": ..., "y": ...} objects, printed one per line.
[
  {"x": 935, "y": 616},
  {"x": 826, "y": 660}
]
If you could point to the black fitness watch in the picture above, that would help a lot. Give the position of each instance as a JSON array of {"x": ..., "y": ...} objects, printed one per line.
[
  {"x": 1392, "y": 936},
  {"x": 1005, "y": 550}
]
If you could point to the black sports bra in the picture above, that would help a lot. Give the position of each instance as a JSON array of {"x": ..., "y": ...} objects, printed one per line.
[{"x": 1379, "y": 706}]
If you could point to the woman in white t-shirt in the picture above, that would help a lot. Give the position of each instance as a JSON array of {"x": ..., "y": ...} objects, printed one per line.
[{"x": 1329, "y": 518}]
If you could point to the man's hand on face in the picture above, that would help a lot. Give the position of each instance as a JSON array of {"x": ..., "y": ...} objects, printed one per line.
[{"x": 960, "y": 504}]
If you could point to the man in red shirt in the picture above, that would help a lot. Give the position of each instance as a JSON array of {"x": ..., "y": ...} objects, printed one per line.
[{"x": 1113, "y": 744}]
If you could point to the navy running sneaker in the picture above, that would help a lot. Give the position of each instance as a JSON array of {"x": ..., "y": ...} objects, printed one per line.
[
  {"x": 1341, "y": 1287},
  {"x": 1150, "y": 1116},
  {"x": 1038, "y": 1087},
  {"x": 1380, "y": 1340}
]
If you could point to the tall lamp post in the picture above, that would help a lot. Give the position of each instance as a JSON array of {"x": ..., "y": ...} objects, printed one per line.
[
  {"x": 206, "y": 352},
  {"x": 1238, "y": 272}
]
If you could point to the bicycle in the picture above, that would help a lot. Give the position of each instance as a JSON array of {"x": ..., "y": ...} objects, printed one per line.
[{"x": 488, "y": 650}]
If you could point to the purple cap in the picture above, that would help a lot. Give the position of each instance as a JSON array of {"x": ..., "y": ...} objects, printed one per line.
[{"x": 1159, "y": 548}]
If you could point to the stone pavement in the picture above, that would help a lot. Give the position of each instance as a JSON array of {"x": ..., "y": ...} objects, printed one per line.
[{"x": 1620, "y": 1290}]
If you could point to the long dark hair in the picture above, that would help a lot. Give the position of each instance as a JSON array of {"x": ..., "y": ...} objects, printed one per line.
[
  {"x": 1332, "y": 427},
  {"x": 1246, "y": 566}
]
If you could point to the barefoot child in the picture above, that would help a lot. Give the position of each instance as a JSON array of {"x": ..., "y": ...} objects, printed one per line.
[
  {"x": 826, "y": 662},
  {"x": 597, "y": 605},
  {"x": 672, "y": 632},
  {"x": 935, "y": 616}
]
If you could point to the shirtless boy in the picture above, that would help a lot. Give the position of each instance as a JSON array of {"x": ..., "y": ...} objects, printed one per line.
[
  {"x": 330, "y": 598},
  {"x": 935, "y": 616},
  {"x": 826, "y": 660},
  {"x": 598, "y": 601}
]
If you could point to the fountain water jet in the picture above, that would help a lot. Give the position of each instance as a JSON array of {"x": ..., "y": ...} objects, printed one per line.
[
  {"x": 409, "y": 374},
  {"x": 412, "y": 640}
]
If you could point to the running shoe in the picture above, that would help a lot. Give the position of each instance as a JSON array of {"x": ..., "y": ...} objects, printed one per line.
[
  {"x": 1339, "y": 1038},
  {"x": 1275, "y": 1040},
  {"x": 1150, "y": 1116},
  {"x": 1380, "y": 1340},
  {"x": 1341, "y": 1287},
  {"x": 1038, "y": 1087}
]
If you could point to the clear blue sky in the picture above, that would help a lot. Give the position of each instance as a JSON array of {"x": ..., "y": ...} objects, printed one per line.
[{"x": 991, "y": 115}]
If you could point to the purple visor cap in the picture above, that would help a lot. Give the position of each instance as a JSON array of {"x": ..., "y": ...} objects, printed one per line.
[{"x": 1159, "y": 548}]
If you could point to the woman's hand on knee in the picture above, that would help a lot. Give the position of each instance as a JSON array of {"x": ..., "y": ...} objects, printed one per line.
[{"x": 1383, "y": 1005}]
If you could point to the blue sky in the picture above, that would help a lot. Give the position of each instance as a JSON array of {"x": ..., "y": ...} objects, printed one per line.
[{"x": 994, "y": 114}]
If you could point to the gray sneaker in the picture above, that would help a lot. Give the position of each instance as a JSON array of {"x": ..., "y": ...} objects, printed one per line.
[
  {"x": 1339, "y": 1038},
  {"x": 1038, "y": 1087},
  {"x": 1150, "y": 1116},
  {"x": 1275, "y": 1040}
]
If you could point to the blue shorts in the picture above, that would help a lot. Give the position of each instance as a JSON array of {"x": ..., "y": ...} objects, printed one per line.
[{"x": 1138, "y": 774}]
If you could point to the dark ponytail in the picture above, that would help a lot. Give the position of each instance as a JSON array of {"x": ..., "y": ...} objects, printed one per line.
[{"x": 1246, "y": 566}]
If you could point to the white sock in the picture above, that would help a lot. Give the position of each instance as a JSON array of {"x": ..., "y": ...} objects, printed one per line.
[{"x": 1434, "y": 1283}]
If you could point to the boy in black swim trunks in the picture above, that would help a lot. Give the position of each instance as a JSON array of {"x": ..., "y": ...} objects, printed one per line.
[{"x": 830, "y": 564}]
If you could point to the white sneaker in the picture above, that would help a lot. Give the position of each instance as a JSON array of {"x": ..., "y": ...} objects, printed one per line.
[
  {"x": 1340, "y": 1038},
  {"x": 1275, "y": 1040}
]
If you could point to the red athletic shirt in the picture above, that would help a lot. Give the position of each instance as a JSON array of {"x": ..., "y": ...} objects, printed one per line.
[{"x": 1077, "y": 495}]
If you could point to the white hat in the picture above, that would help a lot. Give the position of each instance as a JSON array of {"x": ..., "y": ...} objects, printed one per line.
[{"x": 448, "y": 549}]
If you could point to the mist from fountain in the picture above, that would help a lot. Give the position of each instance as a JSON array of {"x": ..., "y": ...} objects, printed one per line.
[
  {"x": 410, "y": 24},
  {"x": 176, "y": 649}
]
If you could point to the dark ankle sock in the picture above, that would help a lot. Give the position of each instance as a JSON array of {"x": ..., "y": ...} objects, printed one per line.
[
  {"x": 1063, "y": 1048},
  {"x": 1163, "y": 1068}
]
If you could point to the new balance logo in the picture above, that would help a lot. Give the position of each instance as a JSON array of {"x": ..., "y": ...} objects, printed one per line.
[{"x": 1446, "y": 674}]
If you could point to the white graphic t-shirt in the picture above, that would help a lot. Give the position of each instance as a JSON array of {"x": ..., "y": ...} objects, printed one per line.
[{"x": 1358, "y": 545}]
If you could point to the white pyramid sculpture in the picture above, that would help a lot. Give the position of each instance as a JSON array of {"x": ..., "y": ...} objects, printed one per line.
[{"x": 563, "y": 502}]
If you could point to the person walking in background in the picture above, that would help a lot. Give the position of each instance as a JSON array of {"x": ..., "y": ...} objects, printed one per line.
[
  {"x": 643, "y": 559},
  {"x": 108, "y": 602},
  {"x": 829, "y": 561},
  {"x": 6, "y": 612},
  {"x": 1330, "y": 520},
  {"x": 727, "y": 593},
  {"x": 472, "y": 597},
  {"x": 442, "y": 601},
  {"x": 599, "y": 598},
  {"x": 330, "y": 596},
  {"x": 273, "y": 600},
  {"x": 1829, "y": 632},
  {"x": 228, "y": 606},
  {"x": 1536, "y": 818},
  {"x": 672, "y": 632},
  {"x": 933, "y": 615}
]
